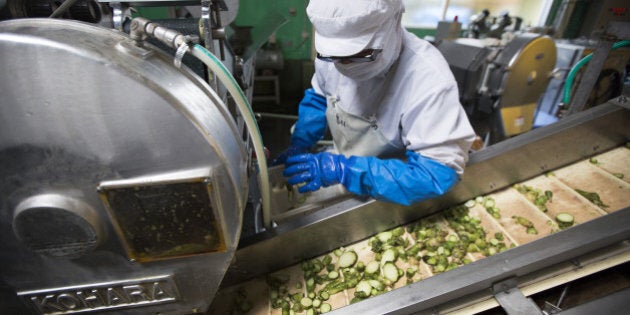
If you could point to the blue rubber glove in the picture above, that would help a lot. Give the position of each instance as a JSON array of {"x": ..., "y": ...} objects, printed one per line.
[
  {"x": 309, "y": 128},
  {"x": 290, "y": 151},
  {"x": 316, "y": 170},
  {"x": 392, "y": 180}
]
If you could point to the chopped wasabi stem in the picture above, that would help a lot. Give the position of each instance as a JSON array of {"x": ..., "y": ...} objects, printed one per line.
[
  {"x": 564, "y": 220},
  {"x": 348, "y": 259},
  {"x": 372, "y": 267},
  {"x": 470, "y": 203},
  {"x": 390, "y": 272},
  {"x": 523, "y": 221},
  {"x": 593, "y": 197},
  {"x": 325, "y": 308}
]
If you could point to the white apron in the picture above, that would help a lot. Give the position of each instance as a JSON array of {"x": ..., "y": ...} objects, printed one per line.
[{"x": 354, "y": 135}]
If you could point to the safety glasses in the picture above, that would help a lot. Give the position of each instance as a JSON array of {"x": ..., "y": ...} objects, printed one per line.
[{"x": 367, "y": 55}]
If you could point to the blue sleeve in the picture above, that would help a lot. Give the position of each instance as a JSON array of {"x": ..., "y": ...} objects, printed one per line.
[
  {"x": 311, "y": 123},
  {"x": 395, "y": 181}
]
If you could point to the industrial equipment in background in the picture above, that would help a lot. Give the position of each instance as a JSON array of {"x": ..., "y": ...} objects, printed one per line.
[
  {"x": 134, "y": 179},
  {"x": 500, "y": 83},
  {"x": 513, "y": 80},
  {"x": 269, "y": 61}
]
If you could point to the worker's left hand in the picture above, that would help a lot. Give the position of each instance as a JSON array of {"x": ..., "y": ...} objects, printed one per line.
[{"x": 316, "y": 170}]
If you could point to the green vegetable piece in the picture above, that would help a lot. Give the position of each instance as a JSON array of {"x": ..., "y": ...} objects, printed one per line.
[
  {"x": 306, "y": 302},
  {"x": 619, "y": 175},
  {"x": 564, "y": 220},
  {"x": 325, "y": 308},
  {"x": 532, "y": 230},
  {"x": 384, "y": 236},
  {"x": 430, "y": 261},
  {"x": 411, "y": 271},
  {"x": 297, "y": 307},
  {"x": 324, "y": 295},
  {"x": 489, "y": 203},
  {"x": 398, "y": 231},
  {"x": 326, "y": 260},
  {"x": 360, "y": 266},
  {"x": 389, "y": 255},
  {"x": 364, "y": 288},
  {"x": 377, "y": 285},
  {"x": 317, "y": 302},
  {"x": 470, "y": 203},
  {"x": 592, "y": 197},
  {"x": 333, "y": 275},
  {"x": 499, "y": 236},
  {"x": 348, "y": 259},
  {"x": 390, "y": 272},
  {"x": 523, "y": 221},
  {"x": 549, "y": 195},
  {"x": 310, "y": 284},
  {"x": 414, "y": 250},
  {"x": 372, "y": 267}
]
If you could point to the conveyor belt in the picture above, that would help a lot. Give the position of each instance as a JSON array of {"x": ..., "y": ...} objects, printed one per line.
[{"x": 606, "y": 174}]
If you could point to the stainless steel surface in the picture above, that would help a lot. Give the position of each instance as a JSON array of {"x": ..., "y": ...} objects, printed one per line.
[
  {"x": 82, "y": 105},
  {"x": 501, "y": 165},
  {"x": 512, "y": 299},
  {"x": 567, "y": 55}
]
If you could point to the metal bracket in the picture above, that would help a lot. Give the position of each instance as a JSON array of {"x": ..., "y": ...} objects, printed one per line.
[
  {"x": 512, "y": 299},
  {"x": 622, "y": 100},
  {"x": 614, "y": 31}
]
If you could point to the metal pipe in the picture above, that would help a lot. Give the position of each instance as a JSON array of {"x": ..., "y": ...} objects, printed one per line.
[
  {"x": 141, "y": 27},
  {"x": 62, "y": 8},
  {"x": 576, "y": 68},
  {"x": 446, "y": 4}
]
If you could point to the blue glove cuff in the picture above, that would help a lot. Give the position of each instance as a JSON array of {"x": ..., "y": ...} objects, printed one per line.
[
  {"x": 396, "y": 181},
  {"x": 330, "y": 168},
  {"x": 311, "y": 123}
]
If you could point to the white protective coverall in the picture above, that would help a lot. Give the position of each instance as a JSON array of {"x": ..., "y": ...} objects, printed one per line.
[{"x": 405, "y": 102}]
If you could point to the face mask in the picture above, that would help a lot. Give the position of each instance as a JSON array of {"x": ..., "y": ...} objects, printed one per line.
[
  {"x": 389, "y": 39},
  {"x": 362, "y": 71}
]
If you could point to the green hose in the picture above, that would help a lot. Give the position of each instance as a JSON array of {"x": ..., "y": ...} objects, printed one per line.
[
  {"x": 576, "y": 68},
  {"x": 224, "y": 75}
]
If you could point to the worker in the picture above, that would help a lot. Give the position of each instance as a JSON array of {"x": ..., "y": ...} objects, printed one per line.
[{"x": 391, "y": 104}]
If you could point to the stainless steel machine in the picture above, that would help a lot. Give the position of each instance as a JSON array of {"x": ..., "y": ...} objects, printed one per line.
[
  {"x": 124, "y": 178},
  {"x": 501, "y": 83}
]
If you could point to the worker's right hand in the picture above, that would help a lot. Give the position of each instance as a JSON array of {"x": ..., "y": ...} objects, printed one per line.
[{"x": 290, "y": 151}]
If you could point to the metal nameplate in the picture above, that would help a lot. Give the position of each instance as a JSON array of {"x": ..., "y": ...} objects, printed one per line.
[{"x": 102, "y": 296}]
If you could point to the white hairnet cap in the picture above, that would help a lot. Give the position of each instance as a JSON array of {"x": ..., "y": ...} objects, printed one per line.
[{"x": 345, "y": 27}]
